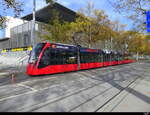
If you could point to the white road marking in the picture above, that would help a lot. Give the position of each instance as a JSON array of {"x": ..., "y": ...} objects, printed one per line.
[
  {"x": 28, "y": 87},
  {"x": 3, "y": 99},
  {"x": 36, "y": 80}
]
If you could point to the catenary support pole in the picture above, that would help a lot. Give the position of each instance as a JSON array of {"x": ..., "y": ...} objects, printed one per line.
[{"x": 33, "y": 23}]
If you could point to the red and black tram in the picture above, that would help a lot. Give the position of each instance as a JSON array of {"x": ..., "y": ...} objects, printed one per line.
[{"x": 50, "y": 58}]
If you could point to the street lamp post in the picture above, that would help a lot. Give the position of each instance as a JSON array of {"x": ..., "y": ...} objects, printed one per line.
[{"x": 33, "y": 24}]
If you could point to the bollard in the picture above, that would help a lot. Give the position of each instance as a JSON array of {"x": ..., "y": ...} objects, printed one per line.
[{"x": 13, "y": 78}]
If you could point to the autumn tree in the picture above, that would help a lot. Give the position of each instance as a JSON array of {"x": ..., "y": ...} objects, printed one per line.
[
  {"x": 132, "y": 41},
  {"x": 147, "y": 37},
  {"x": 86, "y": 30},
  {"x": 14, "y": 5},
  {"x": 146, "y": 46},
  {"x": 93, "y": 24},
  {"x": 134, "y": 10},
  {"x": 137, "y": 44}
]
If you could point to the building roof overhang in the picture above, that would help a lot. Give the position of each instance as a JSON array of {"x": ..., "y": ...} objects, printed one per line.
[
  {"x": 44, "y": 14},
  {"x": 4, "y": 39}
]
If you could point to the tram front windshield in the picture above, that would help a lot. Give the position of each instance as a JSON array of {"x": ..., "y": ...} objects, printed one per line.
[{"x": 36, "y": 52}]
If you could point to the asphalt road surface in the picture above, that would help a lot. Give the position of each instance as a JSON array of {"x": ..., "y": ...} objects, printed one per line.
[{"x": 94, "y": 90}]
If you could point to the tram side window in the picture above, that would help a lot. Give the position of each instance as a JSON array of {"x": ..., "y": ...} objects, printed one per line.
[
  {"x": 123, "y": 58},
  {"x": 56, "y": 57},
  {"x": 89, "y": 57},
  {"x": 84, "y": 57},
  {"x": 116, "y": 57},
  {"x": 112, "y": 57},
  {"x": 53, "y": 57},
  {"x": 95, "y": 57},
  {"x": 70, "y": 57},
  {"x": 109, "y": 57},
  {"x": 60, "y": 57},
  {"x": 100, "y": 58},
  {"x": 105, "y": 57},
  {"x": 119, "y": 57}
]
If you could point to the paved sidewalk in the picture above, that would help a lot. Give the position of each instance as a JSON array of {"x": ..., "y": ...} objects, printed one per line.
[
  {"x": 122, "y": 88},
  {"x": 135, "y": 98}
]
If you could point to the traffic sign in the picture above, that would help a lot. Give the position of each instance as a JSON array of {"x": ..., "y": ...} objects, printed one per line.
[{"x": 148, "y": 20}]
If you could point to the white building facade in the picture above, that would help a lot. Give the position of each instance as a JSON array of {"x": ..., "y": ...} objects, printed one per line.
[{"x": 10, "y": 23}]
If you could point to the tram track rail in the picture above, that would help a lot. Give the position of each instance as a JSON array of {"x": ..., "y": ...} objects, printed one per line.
[{"x": 116, "y": 94}]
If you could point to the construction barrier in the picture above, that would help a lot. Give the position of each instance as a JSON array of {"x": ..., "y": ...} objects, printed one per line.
[{"x": 29, "y": 48}]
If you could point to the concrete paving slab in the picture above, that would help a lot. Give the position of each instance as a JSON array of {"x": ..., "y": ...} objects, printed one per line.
[
  {"x": 138, "y": 100},
  {"x": 95, "y": 103},
  {"x": 75, "y": 100},
  {"x": 134, "y": 99}
]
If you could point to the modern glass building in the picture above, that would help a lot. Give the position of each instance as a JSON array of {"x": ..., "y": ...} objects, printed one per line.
[
  {"x": 20, "y": 35},
  {"x": 5, "y": 33}
]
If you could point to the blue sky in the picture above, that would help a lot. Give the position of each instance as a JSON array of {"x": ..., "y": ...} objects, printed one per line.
[
  {"x": 75, "y": 5},
  {"x": 98, "y": 4}
]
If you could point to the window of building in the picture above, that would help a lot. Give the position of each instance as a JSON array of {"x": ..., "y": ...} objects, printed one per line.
[{"x": 26, "y": 39}]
